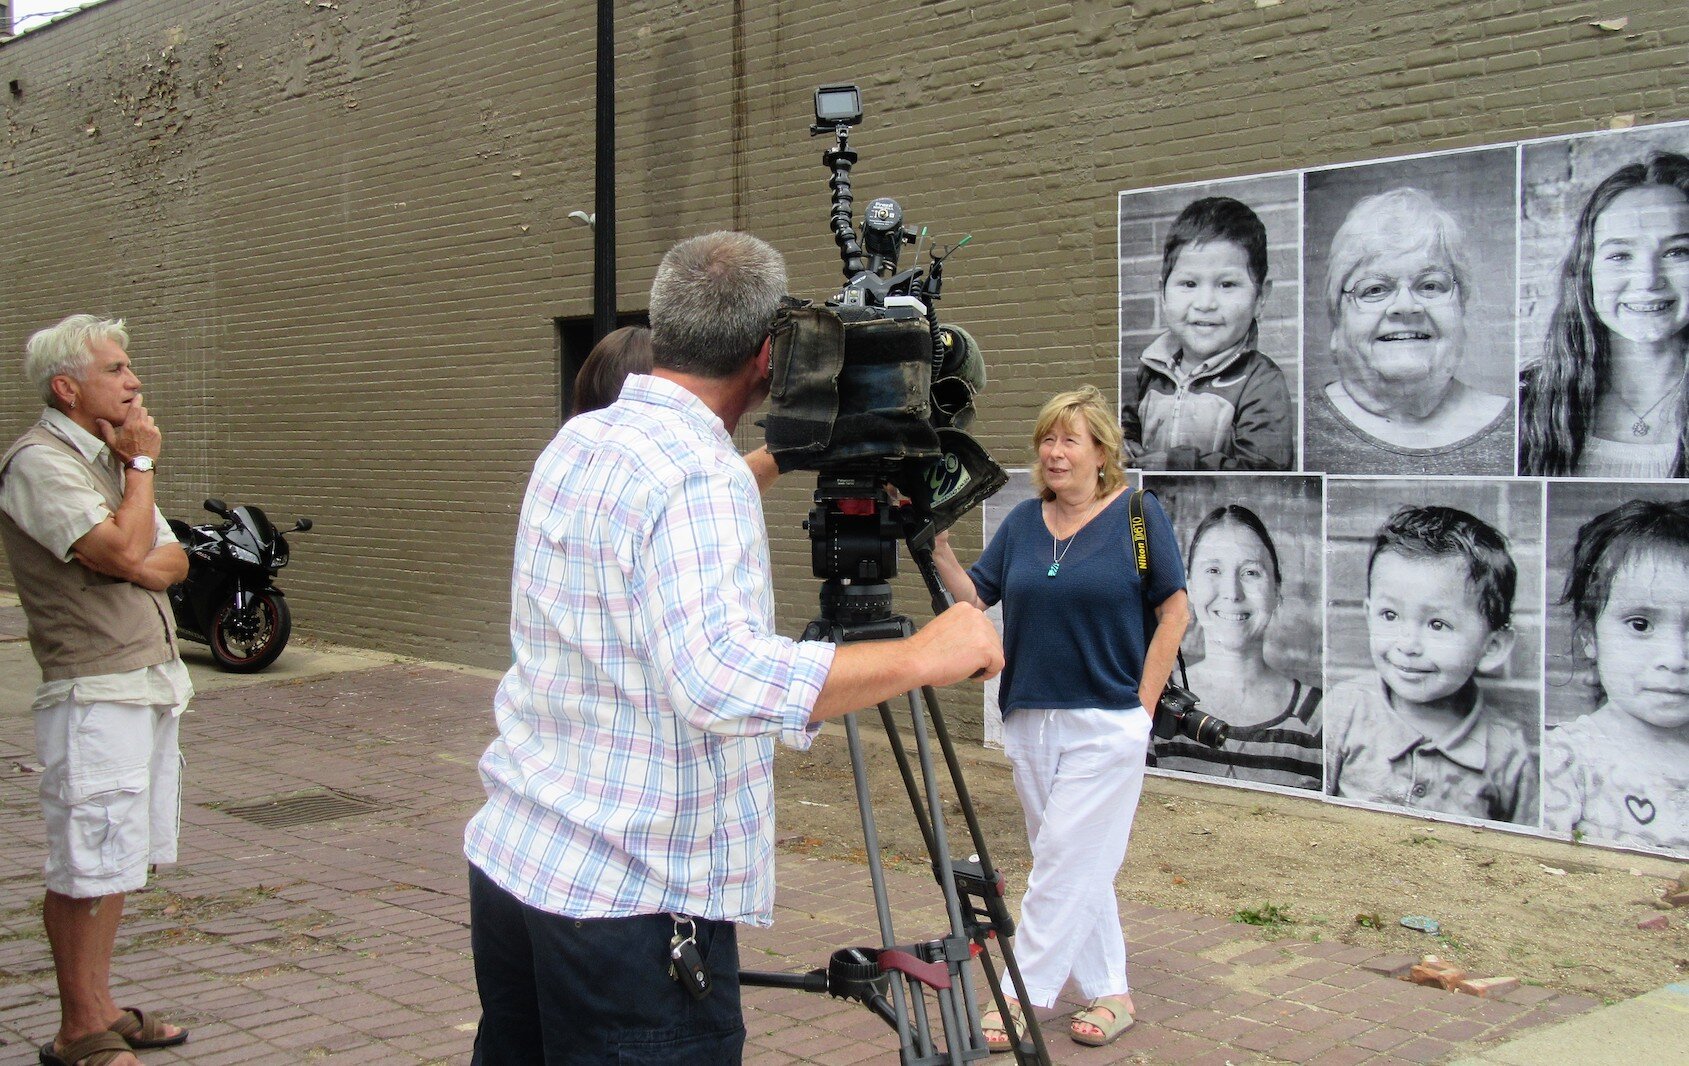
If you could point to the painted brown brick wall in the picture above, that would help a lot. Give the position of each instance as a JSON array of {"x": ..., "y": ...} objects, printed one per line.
[{"x": 340, "y": 235}]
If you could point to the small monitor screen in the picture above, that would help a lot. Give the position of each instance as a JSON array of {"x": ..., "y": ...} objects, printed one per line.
[{"x": 839, "y": 104}]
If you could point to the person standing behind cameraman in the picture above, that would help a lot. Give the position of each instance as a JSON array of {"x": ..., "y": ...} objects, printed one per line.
[
  {"x": 625, "y": 351},
  {"x": 629, "y": 791},
  {"x": 1082, "y": 670}
]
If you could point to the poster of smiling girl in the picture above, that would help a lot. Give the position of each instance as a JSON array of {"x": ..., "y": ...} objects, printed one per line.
[
  {"x": 1408, "y": 311},
  {"x": 1604, "y": 304},
  {"x": 1209, "y": 337},
  {"x": 1253, "y": 570}
]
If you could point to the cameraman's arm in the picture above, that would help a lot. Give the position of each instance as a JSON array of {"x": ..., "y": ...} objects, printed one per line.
[
  {"x": 952, "y": 573},
  {"x": 763, "y": 468},
  {"x": 958, "y": 644},
  {"x": 1171, "y": 616}
]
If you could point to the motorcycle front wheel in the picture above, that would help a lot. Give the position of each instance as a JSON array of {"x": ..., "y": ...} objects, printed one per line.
[{"x": 246, "y": 641}]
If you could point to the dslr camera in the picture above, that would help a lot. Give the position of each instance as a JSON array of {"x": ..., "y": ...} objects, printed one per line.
[
  {"x": 868, "y": 388},
  {"x": 1176, "y": 716}
]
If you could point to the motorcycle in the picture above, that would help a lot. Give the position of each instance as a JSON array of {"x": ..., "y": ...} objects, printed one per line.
[{"x": 229, "y": 600}]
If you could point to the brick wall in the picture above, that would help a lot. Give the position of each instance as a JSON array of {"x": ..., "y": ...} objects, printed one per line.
[{"x": 340, "y": 233}]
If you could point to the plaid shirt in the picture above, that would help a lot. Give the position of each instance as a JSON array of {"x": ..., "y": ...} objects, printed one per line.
[{"x": 632, "y": 773}]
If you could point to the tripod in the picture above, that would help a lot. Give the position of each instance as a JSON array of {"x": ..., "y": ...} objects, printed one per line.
[{"x": 896, "y": 981}]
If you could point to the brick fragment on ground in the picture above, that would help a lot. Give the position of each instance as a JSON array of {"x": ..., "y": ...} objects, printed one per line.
[
  {"x": 1390, "y": 965},
  {"x": 1678, "y": 899},
  {"x": 1485, "y": 987},
  {"x": 1434, "y": 971},
  {"x": 1658, "y": 921}
]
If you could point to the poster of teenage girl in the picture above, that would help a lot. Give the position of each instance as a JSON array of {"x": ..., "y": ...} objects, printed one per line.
[{"x": 1604, "y": 302}]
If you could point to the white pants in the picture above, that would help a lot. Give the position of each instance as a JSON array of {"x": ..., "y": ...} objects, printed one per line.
[
  {"x": 111, "y": 794},
  {"x": 1079, "y": 774}
]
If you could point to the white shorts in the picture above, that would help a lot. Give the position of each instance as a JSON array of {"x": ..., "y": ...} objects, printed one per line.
[{"x": 111, "y": 794}]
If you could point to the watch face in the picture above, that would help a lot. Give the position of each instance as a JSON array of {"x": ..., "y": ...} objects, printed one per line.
[{"x": 141, "y": 463}]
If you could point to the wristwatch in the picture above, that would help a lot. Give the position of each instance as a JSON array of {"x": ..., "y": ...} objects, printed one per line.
[{"x": 141, "y": 464}]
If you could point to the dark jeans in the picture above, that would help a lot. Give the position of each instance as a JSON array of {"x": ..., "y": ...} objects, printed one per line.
[{"x": 596, "y": 991}]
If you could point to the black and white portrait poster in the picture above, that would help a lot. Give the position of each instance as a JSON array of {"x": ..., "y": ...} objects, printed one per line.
[
  {"x": 1254, "y": 555},
  {"x": 1434, "y": 628},
  {"x": 1408, "y": 314},
  {"x": 1616, "y": 754},
  {"x": 1604, "y": 304},
  {"x": 1486, "y": 355},
  {"x": 1210, "y": 344},
  {"x": 994, "y": 511}
]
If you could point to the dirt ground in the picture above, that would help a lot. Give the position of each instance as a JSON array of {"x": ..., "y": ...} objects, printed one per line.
[{"x": 1554, "y": 914}]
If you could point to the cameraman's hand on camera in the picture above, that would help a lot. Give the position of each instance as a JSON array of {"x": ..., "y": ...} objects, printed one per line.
[{"x": 959, "y": 644}]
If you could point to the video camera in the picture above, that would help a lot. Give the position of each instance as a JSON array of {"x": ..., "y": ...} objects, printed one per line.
[{"x": 868, "y": 388}]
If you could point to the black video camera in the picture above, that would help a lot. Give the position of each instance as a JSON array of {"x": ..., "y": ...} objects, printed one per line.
[
  {"x": 868, "y": 388},
  {"x": 1176, "y": 716}
]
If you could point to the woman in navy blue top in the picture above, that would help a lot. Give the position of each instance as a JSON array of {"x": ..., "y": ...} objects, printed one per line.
[{"x": 1081, "y": 667}]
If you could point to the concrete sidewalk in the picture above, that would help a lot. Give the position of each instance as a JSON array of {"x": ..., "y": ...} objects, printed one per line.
[{"x": 342, "y": 937}]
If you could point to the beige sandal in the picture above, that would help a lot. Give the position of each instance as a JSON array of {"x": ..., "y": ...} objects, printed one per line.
[
  {"x": 1118, "y": 1020},
  {"x": 997, "y": 1037}
]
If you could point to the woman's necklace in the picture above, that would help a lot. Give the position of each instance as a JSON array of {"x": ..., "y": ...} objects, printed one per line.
[
  {"x": 1642, "y": 427},
  {"x": 1055, "y": 556}
]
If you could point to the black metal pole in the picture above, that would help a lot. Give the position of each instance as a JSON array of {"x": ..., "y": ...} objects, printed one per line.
[{"x": 604, "y": 179}]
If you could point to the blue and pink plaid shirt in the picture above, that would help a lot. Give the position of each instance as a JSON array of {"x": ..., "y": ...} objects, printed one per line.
[{"x": 633, "y": 770}]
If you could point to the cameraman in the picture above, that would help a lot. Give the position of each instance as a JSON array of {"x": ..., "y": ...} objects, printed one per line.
[
  {"x": 630, "y": 806},
  {"x": 1083, "y": 667}
]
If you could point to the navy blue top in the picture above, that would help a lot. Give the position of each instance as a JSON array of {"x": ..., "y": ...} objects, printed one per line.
[{"x": 1076, "y": 639}]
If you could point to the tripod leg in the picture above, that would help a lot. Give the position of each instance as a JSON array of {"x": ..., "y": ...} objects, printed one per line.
[
  {"x": 877, "y": 877},
  {"x": 970, "y": 815},
  {"x": 919, "y": 704},
  {"x": 900, "y": 755}
]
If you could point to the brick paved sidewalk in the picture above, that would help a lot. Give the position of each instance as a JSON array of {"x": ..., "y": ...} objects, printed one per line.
[{"x": 346, "y": 940}]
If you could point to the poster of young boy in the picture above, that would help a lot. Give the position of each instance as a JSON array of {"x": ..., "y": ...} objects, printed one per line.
[
  {"x": 1209, "y": 334},
  {"x": 1433, "y": 637}
]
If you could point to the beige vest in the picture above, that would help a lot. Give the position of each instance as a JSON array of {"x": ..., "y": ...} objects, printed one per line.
[{"x": 82, "y": 622}]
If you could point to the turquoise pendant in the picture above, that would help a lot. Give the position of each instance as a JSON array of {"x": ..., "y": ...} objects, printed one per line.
[{"x": 1053, "y": 568}]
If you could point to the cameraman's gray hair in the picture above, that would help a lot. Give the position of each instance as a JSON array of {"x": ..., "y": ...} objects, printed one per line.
[
  {"x": 63, "y": 349},
  {"x": 713, "y": 301}
]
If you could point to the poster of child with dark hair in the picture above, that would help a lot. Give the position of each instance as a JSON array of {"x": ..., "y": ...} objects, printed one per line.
[
  {"x": 1209, "y": 338},
  {"x": 1616, "y": 755},
  {"x": 1434, "y": 622}
]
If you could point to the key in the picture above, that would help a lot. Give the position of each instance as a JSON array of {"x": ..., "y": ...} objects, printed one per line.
[{"x": 686, "y": 965}]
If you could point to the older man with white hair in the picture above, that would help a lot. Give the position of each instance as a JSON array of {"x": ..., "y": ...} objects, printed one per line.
[{"x": 91, "y": 557}]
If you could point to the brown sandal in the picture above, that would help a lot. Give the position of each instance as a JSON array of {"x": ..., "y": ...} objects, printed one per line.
[
  {"x": 143, "y": 1032},
  {"x": 95, "y": 1049}
]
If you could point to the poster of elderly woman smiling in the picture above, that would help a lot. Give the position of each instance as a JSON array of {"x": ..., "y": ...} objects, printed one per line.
[{"x": 1408, "y": 315}]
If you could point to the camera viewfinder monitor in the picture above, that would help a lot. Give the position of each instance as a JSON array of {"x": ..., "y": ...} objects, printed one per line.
[{"x": 838, "y": 105}]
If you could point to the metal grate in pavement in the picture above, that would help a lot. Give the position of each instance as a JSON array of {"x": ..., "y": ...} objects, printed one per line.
[{"x": 299, "y": 808}]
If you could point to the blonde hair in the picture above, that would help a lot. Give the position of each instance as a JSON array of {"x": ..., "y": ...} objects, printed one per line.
[
  {"x": 64, "y": 349},
  {"x": 1083, "y": 407}
]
